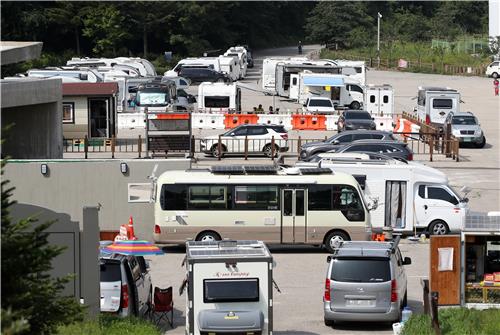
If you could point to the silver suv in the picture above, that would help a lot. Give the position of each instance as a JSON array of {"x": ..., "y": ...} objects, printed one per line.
[
  {"x": 365, "y": 281},
  {"x": 466, "y": 128}
]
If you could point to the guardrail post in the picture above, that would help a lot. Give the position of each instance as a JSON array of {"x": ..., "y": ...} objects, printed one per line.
[
  {"x": 273, "y": 149},
  {"x": 219, "y": 148},
  {"x": 425, "y": 297},
  {"x": 139, "y": 146},
  {"x": 113, "y": 142},
  {"x": 299, "y": 145},
  {"x": 457, "y": 148},
  {"x": 431, "y": 148},
  {"x": 192, "y": 147},
  {"x": 246, "y": 147},
  {"x": 86, "y": 146}
]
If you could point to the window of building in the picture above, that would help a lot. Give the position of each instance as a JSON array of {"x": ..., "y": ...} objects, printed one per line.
[
  {"x": 139, "y": 192},
  {"x": 68, "y": 112}
]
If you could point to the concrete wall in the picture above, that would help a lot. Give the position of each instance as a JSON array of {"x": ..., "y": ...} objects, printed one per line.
[
  {"x": 71, "y": 185},
  {"x": 34, "y": 109}
]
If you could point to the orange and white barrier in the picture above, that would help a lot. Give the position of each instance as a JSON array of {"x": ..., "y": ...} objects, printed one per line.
[
  {"x": 234, "y": 120},
  {"x": 406, "y": 126},
  {"x": 308, "y": 122},
  {"x": 207, "y": 121},
  {"x": 278, "y": 119},
  {"x": 383, "y": 122},
  {"x": 331, "y": 122}
]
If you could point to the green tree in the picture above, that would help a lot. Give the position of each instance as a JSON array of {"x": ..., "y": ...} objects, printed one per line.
[{"x": 32, "y": 302}]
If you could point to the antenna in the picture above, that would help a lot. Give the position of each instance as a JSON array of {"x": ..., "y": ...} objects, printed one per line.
[{"x": 153, "y": 179}]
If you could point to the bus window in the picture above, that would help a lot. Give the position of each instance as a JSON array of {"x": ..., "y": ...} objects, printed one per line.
[
  {"x": 346, "y": 199},
  {"x": 320, "y": 197},
  {"x": 206, "y": 196},
  {"x": 173, "y": 197},
  {"x": 256, "y": 197}
]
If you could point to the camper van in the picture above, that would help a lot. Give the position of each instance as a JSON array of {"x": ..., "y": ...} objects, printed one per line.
[
  {"x": 241, "y": 55},
  {"x": 355, "y": 69},
  {"x": 142, "y": 66},
  {"x": 434, "y": 104},
  {"x": 409, "y": 196},
  {"x": 229, "y": 288},
  {"x": 219, "y": 97},
  {"x": 68, "y": 75},
  {"x": 231, "y": 66},
  {"x": 201, "y": 62},
  {"x": 379, "y": 99},
  {"x": 342, "y": 90}
]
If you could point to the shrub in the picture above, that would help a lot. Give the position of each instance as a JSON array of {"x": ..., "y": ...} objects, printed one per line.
[{"x": 110, "y": 325}]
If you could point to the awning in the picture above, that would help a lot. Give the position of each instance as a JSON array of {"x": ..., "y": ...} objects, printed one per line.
[{"x": 323, "y": 81}]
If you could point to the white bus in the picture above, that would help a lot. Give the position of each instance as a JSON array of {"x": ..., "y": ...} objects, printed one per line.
[{"x": 303, "y": 206}]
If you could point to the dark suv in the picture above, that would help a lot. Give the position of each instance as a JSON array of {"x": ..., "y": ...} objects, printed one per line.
[
  {"x": 313, "y": 148},
  {"x": 355, "y": 119},
  {"x": 199, "y": 75},
  {"x": 393, "y": 149}
]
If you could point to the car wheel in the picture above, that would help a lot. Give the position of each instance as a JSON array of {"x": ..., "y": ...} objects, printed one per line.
[
  {"x": 482, "y": 144},
  {"x": 494, "y": 75},
  {"x": 438, "y": 227},
  {"x": 355, "y": 105},
  {"x": 328, "y": 323},
  {"x": 215, "y": 150},
  {"x": 208, "y": 236},
  {"x": 334, "y": 239},
  {"x": 149, "y": 303},
  {"x": 268, "y": 150}
]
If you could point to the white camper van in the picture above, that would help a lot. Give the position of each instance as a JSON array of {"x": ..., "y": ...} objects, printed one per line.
[
  {"x": 219, "y": 97},
  {"x": 142, "y": 66},
  {"x": 229, "y": 288},
  {"x": 231, "y": 66},
  {"x": 241, "y": 54},
  {"x": 379, "y": 99},
  {"x": 68, "y": 75},
  {"x": 201, "y": 62},
  {"x": 409, "y": 195},
  {"x": 355, "y": 69},
  {"x": 434, "y": 104}
]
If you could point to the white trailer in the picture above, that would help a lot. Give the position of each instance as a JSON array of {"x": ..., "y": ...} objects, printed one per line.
[
  {"x": 354, "y": 69},
  {"x": 142, "y": 66},
  {"x": 434, "y": 104},
  {"x": 231, "y": 66},
  {"x": 219, "y": 97},
  {"x": 241, "y": 54},
  {"x": 408, "y": 195},
  {"x": 202, "y": 62},
  {"x": 229, "y": 288},
  {"x": 342, "y": 90},
  {"x": 379, "y": 99}
]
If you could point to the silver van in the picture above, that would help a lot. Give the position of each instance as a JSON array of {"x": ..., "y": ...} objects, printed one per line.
[{"x": 365, "y": 281}]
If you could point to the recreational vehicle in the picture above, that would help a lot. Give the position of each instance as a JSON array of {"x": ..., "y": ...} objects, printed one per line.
[
  {"x": 355, "y": 69},
  {"x": 200, "y": 62},
  {"x": 240, "y": 54},
  {"x": 219, "y": 97},
  {"x": 379, "y": 99},
  {"x": 301, "y": 206},
  {"x": 231, "y": 66},
  {"x": 229, "y": 288},
  {"x": 142, "y": 66},
  {"x": 68, "y": 75},
  {"x": 410, "y": 196},
  {"x": 434, "y": 104}
]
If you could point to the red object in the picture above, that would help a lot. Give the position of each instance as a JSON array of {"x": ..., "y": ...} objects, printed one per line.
[
  {"x": 130, "y": 229},
  {"x": 284, "y": 136},
  {"x": 496, "y": 276},
  {"x": 124, "y": 300},
  {"x": 308, "y": 122},
  {"x": 394, "y": 291},
  {"x": 157, "y": 229},
  {"x": 427, "y": 120},
  {"x": 327, "y": 290},
  {"x": 163, "y": 304},
  {"x": 488, "y": 277},
  {"x": 410, "y": 157},
  {"x": 234, "y": 120}
]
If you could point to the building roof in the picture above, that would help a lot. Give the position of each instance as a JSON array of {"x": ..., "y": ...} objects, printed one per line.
[{"x": 84, "y": 89}]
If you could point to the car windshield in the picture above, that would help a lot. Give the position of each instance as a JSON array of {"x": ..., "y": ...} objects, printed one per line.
[
  {"x": 361, "y": 270},
  {"x": 320, "y": 103},
  {"x": 358, "y": 116},
  {"x": 465, "y": 120}
]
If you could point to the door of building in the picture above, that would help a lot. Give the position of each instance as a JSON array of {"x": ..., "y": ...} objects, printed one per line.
[{"x": 98, "y": 117}]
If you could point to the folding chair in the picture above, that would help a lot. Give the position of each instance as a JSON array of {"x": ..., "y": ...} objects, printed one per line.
[{"x": 163, "y": 303}]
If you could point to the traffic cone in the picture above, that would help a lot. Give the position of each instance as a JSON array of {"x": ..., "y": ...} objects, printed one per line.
[{"x": 130, "y": 229}]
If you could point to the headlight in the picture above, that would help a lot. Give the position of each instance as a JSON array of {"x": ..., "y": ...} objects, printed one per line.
[
  {"x": 455, "y": 132},
  {"x": 478, "y": 132}
]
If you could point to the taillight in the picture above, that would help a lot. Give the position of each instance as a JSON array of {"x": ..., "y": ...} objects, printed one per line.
[
  {"x": 394, "y": 290},
  {"x": 427, "y": 120},
  {"x": 284, "y": 136},
  {"x": 410, "y": 156},
  {"x": 124, "y": 302},
  {"x": 157, "y": 229},
  {"x": 327, "y": 289}
]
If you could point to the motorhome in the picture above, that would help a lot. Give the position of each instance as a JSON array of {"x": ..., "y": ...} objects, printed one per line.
[
  {"x": 434, "y": 104},
  {"x": 342, "y": 90},
  {"x": 229, "y": 288},
  {"x": 379, "y": 99},
  {"x": 285, "y": 71},
  {"x": 354, "y": 69},
  {"x": 409, "y": 196},
  {"x": 219, "y": 97},
  {"x": 231, "y": 66},
  {"x": 68, "y": 75},
  {"x": 142, "y": 66},
  {"x": 241, "y": 54},
  {"x": 199, "y": 62},
  {"x": 157, "y": 96}
]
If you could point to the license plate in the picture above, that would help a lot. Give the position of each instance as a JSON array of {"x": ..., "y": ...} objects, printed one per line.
[
  {"x": 364, "y": 303},
  {"x": 467, "y": 139}
]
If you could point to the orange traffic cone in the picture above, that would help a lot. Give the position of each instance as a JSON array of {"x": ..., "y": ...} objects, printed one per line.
[{"x": 130, "y": 229}]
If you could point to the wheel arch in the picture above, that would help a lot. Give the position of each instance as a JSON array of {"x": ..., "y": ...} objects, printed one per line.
[{"x": 207, "y": 231}]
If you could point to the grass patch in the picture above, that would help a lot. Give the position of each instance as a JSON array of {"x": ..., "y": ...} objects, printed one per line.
[
  {"x": 456, "y": 321},
  {"x": 110, "y": 325}
]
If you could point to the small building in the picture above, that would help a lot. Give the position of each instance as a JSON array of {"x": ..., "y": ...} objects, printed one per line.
[{"x": 89, "y": 109}]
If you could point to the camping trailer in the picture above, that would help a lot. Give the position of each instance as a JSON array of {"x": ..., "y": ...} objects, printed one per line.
[
  {"x": 355, "y": 69},
  {"x": 200, "y": 62},
  {"x": 240, "y": 54},
  {"x": 229, "y": 287},
  {"x": 379, "y": 99},
  {"x": 219, "y": 97},
  {"x": 231, "y": 66},
  {"x": 434, "y": 104}
]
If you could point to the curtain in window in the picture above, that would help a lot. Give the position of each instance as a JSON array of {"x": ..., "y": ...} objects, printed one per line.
[{"x": 395, "y": 204}]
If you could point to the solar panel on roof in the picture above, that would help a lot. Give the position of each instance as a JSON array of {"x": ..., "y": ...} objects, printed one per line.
[
  {"x": 257, "y": 169},
  {"x": 316, "y": 171},
  {"x": 228, "y": 169}
]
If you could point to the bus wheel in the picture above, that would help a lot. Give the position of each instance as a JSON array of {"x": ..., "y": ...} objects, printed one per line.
[
  {"x": 334, "y": 239},
  {"x": 208, "y": 236}
]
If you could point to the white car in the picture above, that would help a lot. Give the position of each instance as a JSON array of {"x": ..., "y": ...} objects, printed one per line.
[
  {"x": 260, "y": 139},
  {"x": 493, "y": 70},
  {"x": 320, "y": 105}
]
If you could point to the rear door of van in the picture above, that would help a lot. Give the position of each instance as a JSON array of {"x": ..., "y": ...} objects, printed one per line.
[
  {"x": 110, "y": 285},
  {"x": 440, "y": 105}
]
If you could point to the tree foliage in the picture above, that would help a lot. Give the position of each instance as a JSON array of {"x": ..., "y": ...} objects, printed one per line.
[{"x": 32, "y": 302}]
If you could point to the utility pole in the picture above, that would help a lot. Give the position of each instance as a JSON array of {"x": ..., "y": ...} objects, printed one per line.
[{"x": 379, "y": 16}]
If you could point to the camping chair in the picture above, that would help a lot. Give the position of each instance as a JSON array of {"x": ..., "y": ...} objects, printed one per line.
[{"x": 163, "y": 303}]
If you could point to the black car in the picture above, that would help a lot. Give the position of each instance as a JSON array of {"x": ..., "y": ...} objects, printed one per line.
[
  {"x": 199, "y": 75},
  {"x": 312, "y": 148},
  {"x": 393, "y": 149},
  {"x": 355, "y": 119}
]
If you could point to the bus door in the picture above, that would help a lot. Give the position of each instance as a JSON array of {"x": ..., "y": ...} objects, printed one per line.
[{"x": 293, "y": 215}]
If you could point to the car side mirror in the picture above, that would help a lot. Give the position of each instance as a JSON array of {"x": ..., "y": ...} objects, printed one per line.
[
  {"x": 328, "y": 259},
  {"x": 407, "y": 261},
  {"x": 336, "y": 142}
]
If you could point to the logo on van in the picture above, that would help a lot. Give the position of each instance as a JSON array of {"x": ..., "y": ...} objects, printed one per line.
[{"x": 231, "y": 274}]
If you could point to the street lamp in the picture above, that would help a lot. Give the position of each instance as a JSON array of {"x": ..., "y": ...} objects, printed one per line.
[{"x": 379, "y": 16}]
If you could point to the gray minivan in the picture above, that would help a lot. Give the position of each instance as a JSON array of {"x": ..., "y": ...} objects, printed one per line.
[{"x": 365, "y": 281}]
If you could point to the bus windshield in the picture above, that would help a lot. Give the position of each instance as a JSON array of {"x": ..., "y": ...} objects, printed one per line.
[{"x": 146, "y": 98}]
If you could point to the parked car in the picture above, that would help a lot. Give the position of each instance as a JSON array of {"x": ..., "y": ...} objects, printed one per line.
[
  {"x": 466, "y": 128},
  {"x": 259, "y": 137},
  {"x": 355, "y": 119},
  {"x": 199, "y": 75},
  {"x": 493, "y": 70},
  {"x": 126, "y": 287},
  {"x": 394, "y": 149},
  {"x": 348, "y": 157},
  {"x": 319, "y": 105},
  {"x": 312, "y": 148},
  {"x": 365, "y": 281}
]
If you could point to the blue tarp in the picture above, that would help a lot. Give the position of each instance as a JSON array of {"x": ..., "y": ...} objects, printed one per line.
[{"x": 323, "y": 81}]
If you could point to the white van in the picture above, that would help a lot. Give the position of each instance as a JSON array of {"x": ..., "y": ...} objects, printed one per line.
[
  {"x": 231, "y": 66},
  {"x": 220, "y": 97},
  {"x": 201, "y": 62},
  {"x": 354, "y": 69},
  {"x": 434, "y": 104},
  {"x": 241, "y": 54},
  {"x": 493, "y": 70},
  {"x": 408, "y": 195},
  {"x": 379, "y": 99}
]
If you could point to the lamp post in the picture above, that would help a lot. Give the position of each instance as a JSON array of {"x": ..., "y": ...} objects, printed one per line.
[{"x": 379, "y": 16}]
